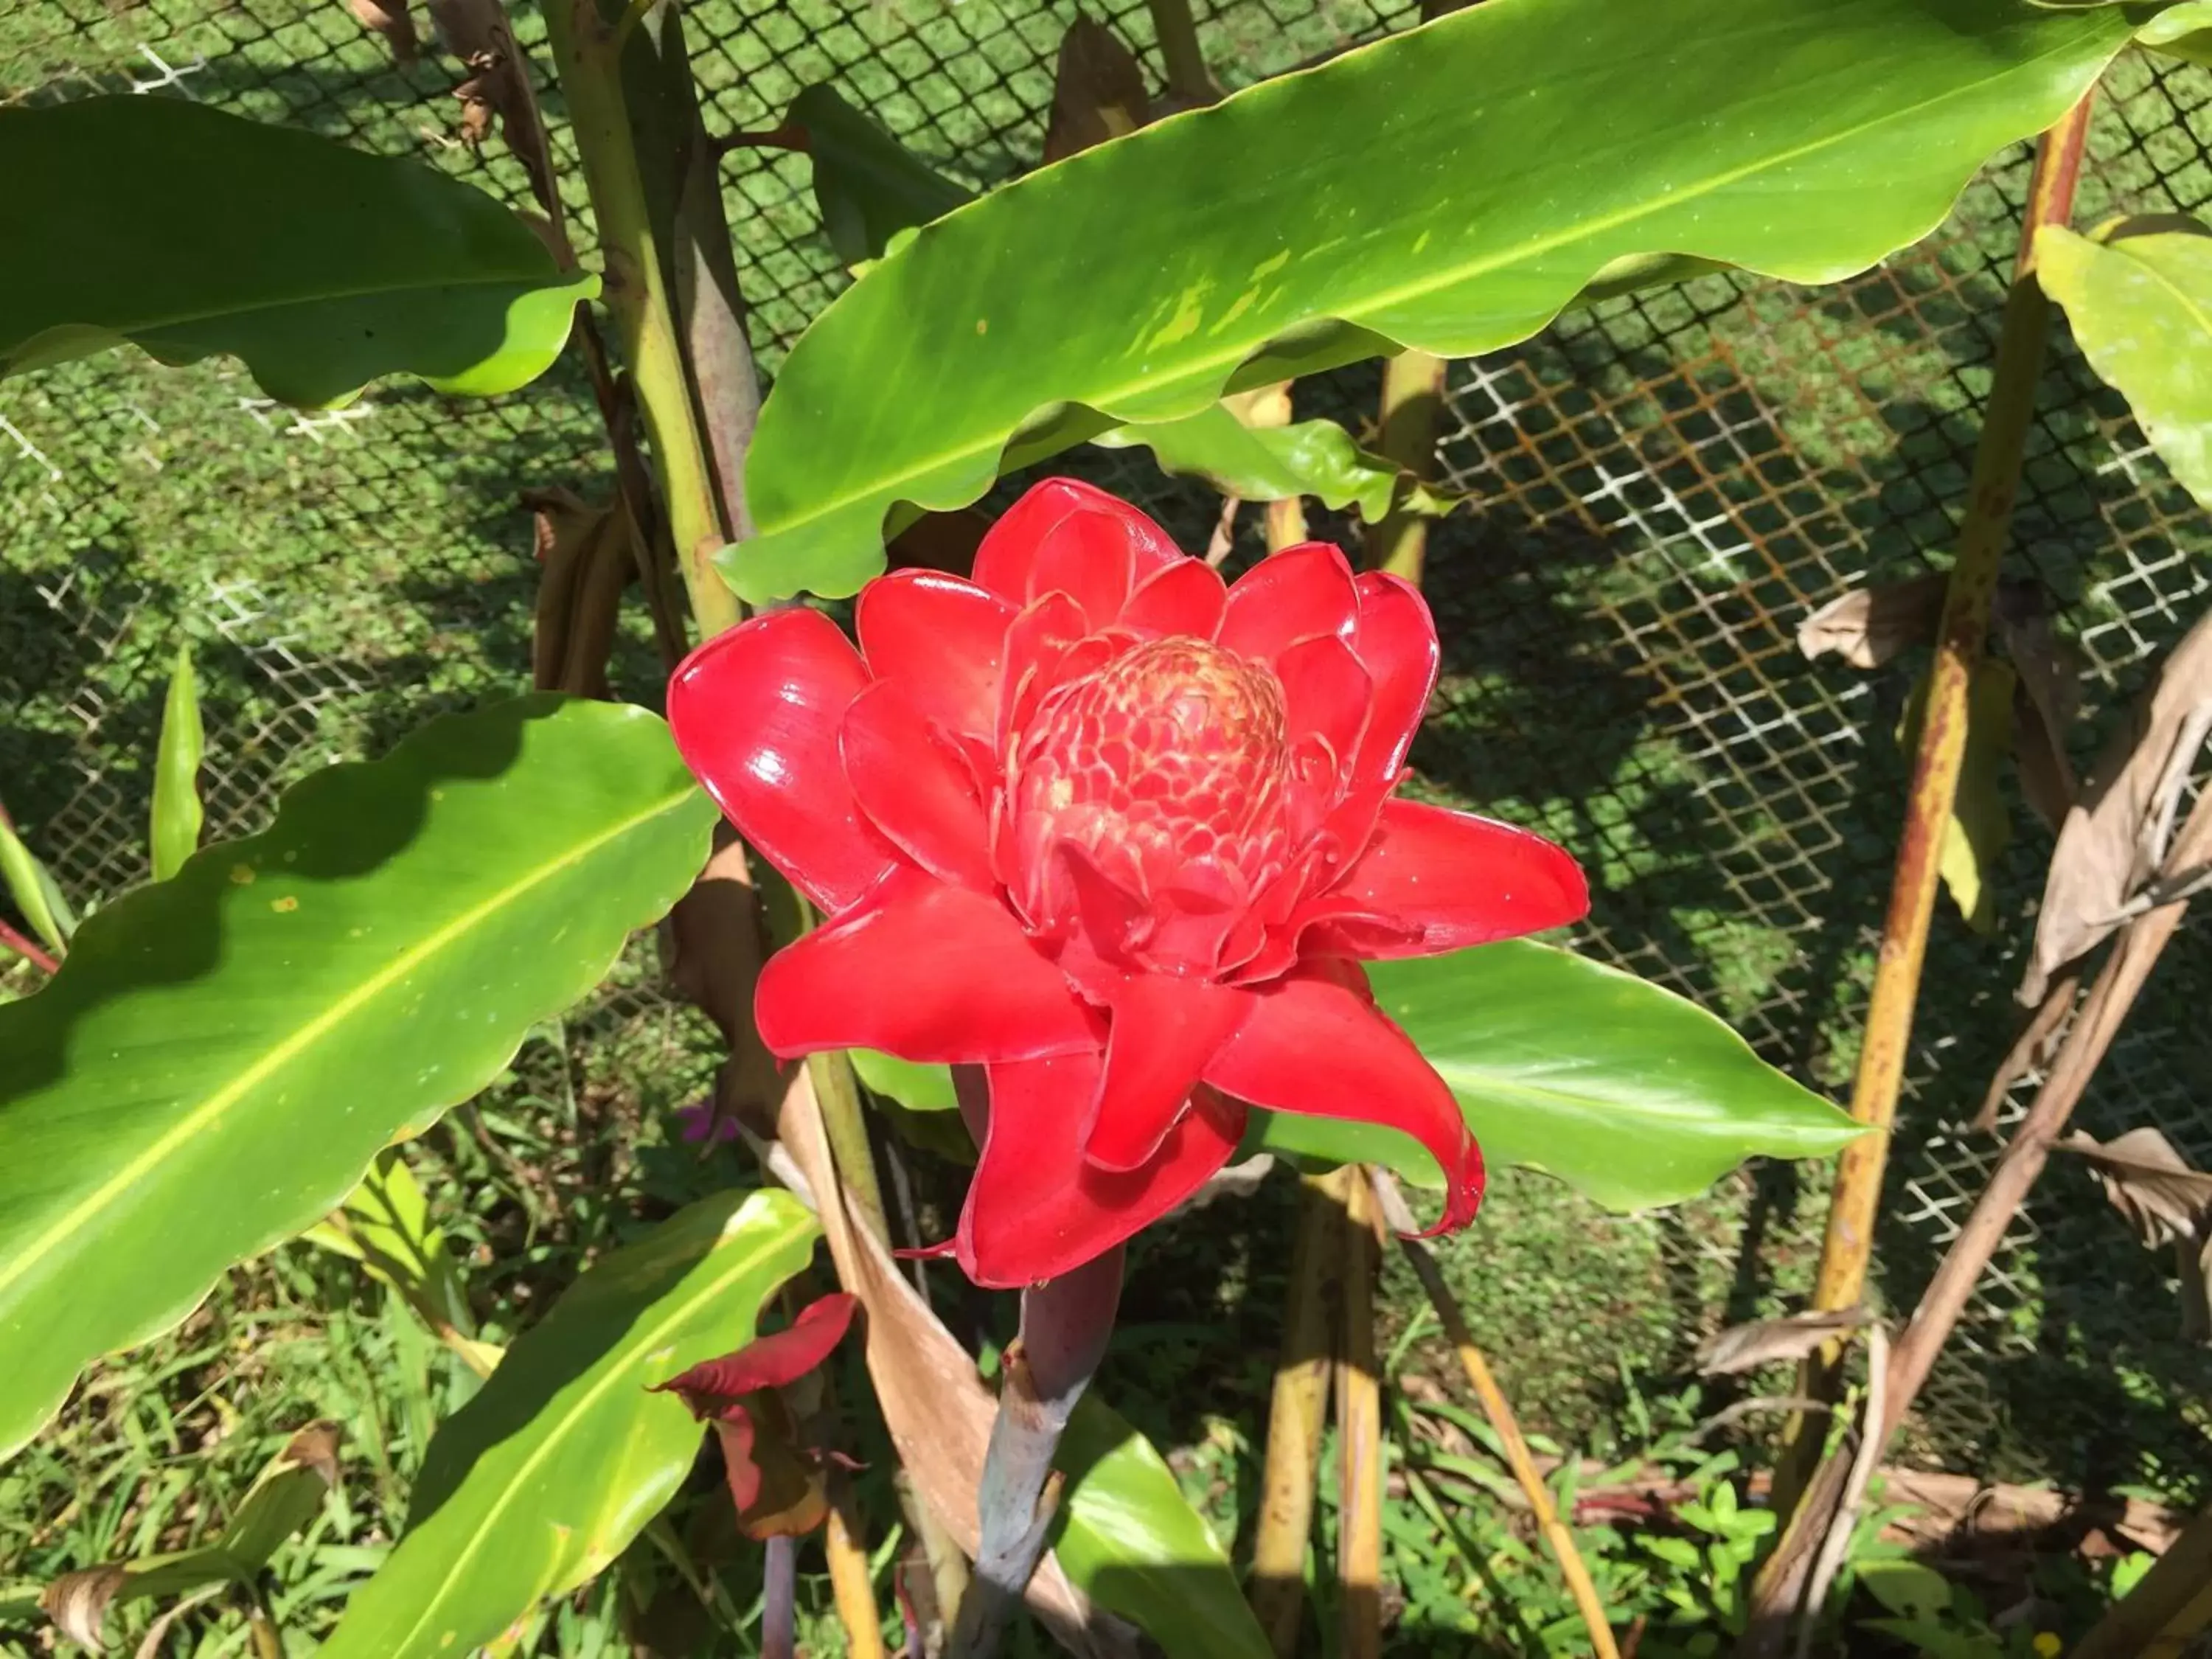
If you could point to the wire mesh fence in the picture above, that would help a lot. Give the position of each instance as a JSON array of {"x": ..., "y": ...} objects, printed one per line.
[{"x": 1663, "y": 486}]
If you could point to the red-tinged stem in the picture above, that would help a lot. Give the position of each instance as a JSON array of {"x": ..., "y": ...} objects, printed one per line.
[
  {"x": 779, "y": 1616},
  {"x": 1065, "y": 1325},
  {"x": 789, "y": 136},
  {"x": 29, "y": 950}
]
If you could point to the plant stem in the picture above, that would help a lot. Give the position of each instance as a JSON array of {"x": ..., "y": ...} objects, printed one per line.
[
  {"x": 1856, "y": 1196},
  {"x": 1065, "y": 1325},
  {"x": 2168, "y": 1608},
  {"x": 851, "y": 1584},
  {"x": 1412, "y": 408},
  {"x": 1499, "y": 1411},
  {"x": 1296, "y": 1415},
  {"x": 1189, "y": 81},
  {"x": 778, "y": 1616},
  {"x": 35, "y": 954},
  {"x": 1359, "y": 1429},
  {"x": 586, "y": 56}
]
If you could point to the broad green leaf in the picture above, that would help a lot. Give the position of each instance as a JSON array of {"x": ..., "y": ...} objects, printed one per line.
[
  {"x": 543, "y": 1478},
  {"x": 177, "y": 814},
  {"x": 2183, "y": 31},
  {"x": 1127, "y": 1538},
  {"x": 1450, "y": 189},
  {"x": 189, "y": 232},
  {"x": 386, "y": 1226},
  {"x": 917, "y": 1088},
  {"x": 2141, "y": 307},
  {"x": 1267, "y": 463},
  {"x": 1628, "y": 1093},
  {"x": 224, "y": 1053},
  {"x": 867, "y": 185},
  {"x": 35, "y": 890}
]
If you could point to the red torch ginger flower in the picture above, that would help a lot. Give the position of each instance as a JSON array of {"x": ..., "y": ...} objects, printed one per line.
[{"x": 1120, "y": 835}]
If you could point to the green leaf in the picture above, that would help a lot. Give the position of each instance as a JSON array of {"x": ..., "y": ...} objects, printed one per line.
[
  {"x": 1268, "y": 463},
  {"x": 177, "y": 814},
  {"x": 1979, "y": 827},
  {"x": 35, "y": 892},
  {"x": 189, "y": 232},
  {"x": 1451, "y": 188},
  {"x": 918, "y": 1088},
  {"x": 2183, "y": 31},
  {"x": 1630, "y": 1094},
  {"x": 386, "y": 1226},
  {"x": 224, "y": 1053},
  {"x": 867, "y": 185},
  {"x": 1128, "y": 1539},
  {"x": 543, "y": 1478},
  {"x": 2141, "y": 305}
]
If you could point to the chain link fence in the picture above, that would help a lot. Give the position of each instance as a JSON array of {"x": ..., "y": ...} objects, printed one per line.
[{"x": 1663, "y": 487}]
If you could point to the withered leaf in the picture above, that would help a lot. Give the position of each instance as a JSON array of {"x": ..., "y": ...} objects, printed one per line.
[
  {"x": 2114, "y": 838},
  {"x": 2166, "y": 1202},
  {"x": 477, "y": 32},
  {"x": 1869, "y": 626},
  {"x": 2044, "y": 701},
  {"x": 587, "y": 555},
  {"x": 391, "y": 20},
  {"x": 715, "y": 945},
  {"x": 1768, "y": 1341},
  {"x": 1098, "y": 92}
]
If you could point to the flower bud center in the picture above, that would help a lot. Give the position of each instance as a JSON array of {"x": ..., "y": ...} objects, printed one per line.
[{"x": 1169, "y": 756}]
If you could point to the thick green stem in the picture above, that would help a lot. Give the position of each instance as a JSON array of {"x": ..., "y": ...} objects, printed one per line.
[
  {"x": 586, "y": 56},
  {"x": 1412, "y": 407},
  {"x": 1189, "y": 81}
]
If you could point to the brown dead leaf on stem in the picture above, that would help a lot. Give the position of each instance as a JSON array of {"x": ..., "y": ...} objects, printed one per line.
[
  {"x": 2115, "y": 837},
  {"x": 476, "y": 32},
  {"x": 2165, "y": 1201},
  {"x": 585, "y": 555},
  {"x": 1869, "y": 626},
  {"x": 1098, "y": 92},
  {"x": 1766, "y": 1341},
  {"x": 392, "y": 19},
  {"x": 715, "y": 948}
]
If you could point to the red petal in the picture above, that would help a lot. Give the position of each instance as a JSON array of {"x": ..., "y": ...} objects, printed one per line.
[
  {"x": 1442, "y": 880},
  {"x": 944, "y": 639},
  {"x": 1070, "y": 537},
  {"x": 1164, "y": 1030},
  {"x": 1186, "y": 599},
  {"x": 915, "y": 789},
  {"x": 1037, "y": 1209},
  {"x": 1325, "y": 694},
  {"x": 1300, "y": 593},
  {"x": 756, "y": 713},
  {"x": 766, "y": 1362},
  {"x": 735, "y": 1430},
  {"x": 1396, "y": 642},
  {"x": 926, "y": 971},
  {"x": 1311, "y": 1045},
  {"x": 1035, "y": 641}
]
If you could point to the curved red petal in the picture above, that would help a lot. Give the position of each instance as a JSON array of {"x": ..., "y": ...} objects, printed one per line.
[
  {"x": 914, "y": 789},
  {"x": 1310, "y": 1044},
  {"x": 768, "y": 1362},
  {"x": 1037, "y": 640},
  {"x": 1443, "y": 880},
  {"x": 1068, "y": 537},
  {"x": 1325, "y": 693},
  {"x": 1395, "y": 642},
  {"x": 944, "y": 639},
  {"x": 1186, "y": 599},
  {"x": 1164, "y": 1030},
  {"x": 1301, "y": 592},
  {"x": 924, "y": 970},
  {"x": 755, "y": 711},
  {"x": 1037, "y": 1209}
]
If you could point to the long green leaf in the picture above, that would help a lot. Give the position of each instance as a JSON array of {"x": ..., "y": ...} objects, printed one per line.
[
  {"x": 2141, "y": 307},
  {"x": 189, "y": 232},
  {"x": 183, "y": 744},
  {"x": 224, "y": 1053},
  {"x": 35, "y": 892},
  {"x": 868, "y": 186},
  {"x": 545, "y": 1476},
  {"x": 1127, "y": 1538},
  {"x": 1269, "y": 464},
  {"x": 1627, "y": 1092},
  {"x": 1451, "y": 188}
]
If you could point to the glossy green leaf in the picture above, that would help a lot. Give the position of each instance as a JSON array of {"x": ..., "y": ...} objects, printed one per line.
[
  {"x": 387, "y": 1227},
  {"x": 1630, "y": 1094},
  {"x": 1127, "y": 1538},
  {"x": 1451, "y": 188},
  {"x": 224, "y": 1053},
  {"x": 2141, "y": 306},
  {"x": 543, "y": 1479},
  {"x": 183, "y": 744},
  {"x": 34, "y": 891},
  {"x": 867, "y": 185},
  {"x": 1267, "y": 463},
  {"x": 918, "y": 1088},
  {"x": 2183, "y": 31},
  {"x": 189, "y": 232}
]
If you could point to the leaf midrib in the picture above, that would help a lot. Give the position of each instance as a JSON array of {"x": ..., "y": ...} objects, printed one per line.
[
  {"x": 1229, "y": 361},
  {"x": 590, "y": 1397},
  {"x": 21, "y": 1260},
  {"x": 1464, "y": 1078}
]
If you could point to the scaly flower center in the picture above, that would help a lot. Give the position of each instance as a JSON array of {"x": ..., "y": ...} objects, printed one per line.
[{"x": 1166, "y": 766}]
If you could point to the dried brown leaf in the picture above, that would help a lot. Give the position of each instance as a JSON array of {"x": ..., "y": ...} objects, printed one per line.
[
  {"x": 715, "y": 946},
  {"x": 2114, "y": 839},
  {"x": 1768, "y": 1341},
  {"x": 77, "y": 1602},
  {"x": 476, "y": 32},
  {"x": 2044, "y": 701},
  {"x": 391, "y": 20},
  {"x": 587, "y": 555},
  {"x": 1869, "y": 626},
  {"x": 2151, "y": 1184},
  {"x": 1098, "y": 92}
]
